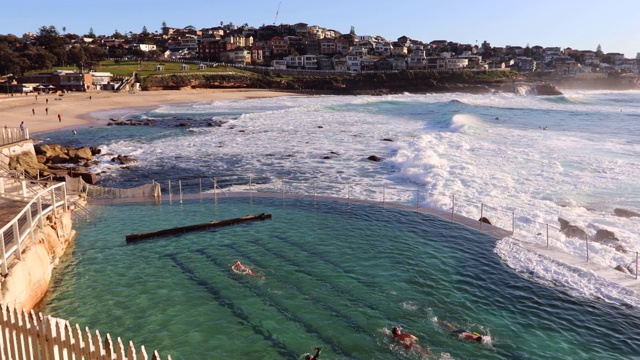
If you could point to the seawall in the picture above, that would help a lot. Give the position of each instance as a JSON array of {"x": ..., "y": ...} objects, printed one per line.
[{"x": 29, "y": 276}]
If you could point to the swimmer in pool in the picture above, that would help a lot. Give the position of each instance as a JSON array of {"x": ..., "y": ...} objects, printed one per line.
[
  {"x": 241, "y": 269},
  {"x": 409, "y": 341},
  {"x": 468, "y": 335},
  {"x": 313, "y": 357}
]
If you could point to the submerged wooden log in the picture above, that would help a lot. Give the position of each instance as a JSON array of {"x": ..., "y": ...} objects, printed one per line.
[{"x": 183, "y": 229}]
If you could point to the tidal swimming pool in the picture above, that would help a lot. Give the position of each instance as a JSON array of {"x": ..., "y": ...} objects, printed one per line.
[{"x": 336, "y": 275}]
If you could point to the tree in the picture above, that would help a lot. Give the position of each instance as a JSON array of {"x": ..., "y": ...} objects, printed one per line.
[
  {"x": 599, "y": 52},
  {"x": 144, "y": 31},
  {"x": 91, "y": 34},
  {"x": 64, "y": 29},
  {"x": 117, "y": 35},
  {"x": 76, "y": 55}
]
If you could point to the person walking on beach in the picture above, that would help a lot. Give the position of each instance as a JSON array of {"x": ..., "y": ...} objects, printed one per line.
[
  {"x": 46, "y": 100},
  {"x": 59, "y": 118},
  {"x": 22, "y": 126},
  {"x": 46, "y": 111},
  {"x": 33, "y": 111}
]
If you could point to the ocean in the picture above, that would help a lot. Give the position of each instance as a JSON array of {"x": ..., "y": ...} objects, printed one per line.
[{"x": 518, "y": 159}]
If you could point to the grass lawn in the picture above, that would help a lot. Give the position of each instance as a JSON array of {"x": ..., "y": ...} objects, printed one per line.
[{"x": 146, "y": 68}]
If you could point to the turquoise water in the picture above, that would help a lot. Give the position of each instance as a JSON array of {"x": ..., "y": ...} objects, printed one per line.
[{"x": 337, "y": 275}]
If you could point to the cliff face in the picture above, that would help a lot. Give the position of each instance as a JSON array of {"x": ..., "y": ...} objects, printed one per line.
[
  {"x": 29, "y": 278},
  {"x": 351, "y": 84}
]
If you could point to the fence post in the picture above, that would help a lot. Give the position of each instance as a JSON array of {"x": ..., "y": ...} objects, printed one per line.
[
  {"x": 547, "y": 235},
  {"x": 587, "y": 249},
  {"x": 348, "y": 194},
  {"x": 384, "y": 188},
  {"x": 315, "y": 182},
  {"x": 180, "y": 188},
  {"x": 283, "y": 189},
  {"x": 215, "y": 188},
  {"x": 3, "y": 267},
  {"x": 453, "y": 205},
  {"x": 200, "y": 187},
  {"x": 169, "y": 191},
  {"x": 16, "y": 238}
]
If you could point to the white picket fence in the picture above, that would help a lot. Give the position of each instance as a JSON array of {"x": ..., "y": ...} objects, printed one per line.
[{"x": 33, "y": 336}]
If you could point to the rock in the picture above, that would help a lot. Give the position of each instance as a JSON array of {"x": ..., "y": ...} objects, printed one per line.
[
  {"x": 374, "y": 158},
  {"x": 625, "y": 213},
  {"x": 622, "y": 269},
  {"x": 88, "y": 177},
  {"x": 387, "y": 139},
  {"x": 563, "y": 223},
  {"x": 326, "y": 157},
  {"x": 183, "y": 124},
  {"x": 484, "y": 220},
  {"x": 603, "y": 234},
  {"x": 573, "y": 231},
  {"x": 621, "y": 249},
  {"x": 547, "y": 89},
  {"x": 123, "y": 159}
]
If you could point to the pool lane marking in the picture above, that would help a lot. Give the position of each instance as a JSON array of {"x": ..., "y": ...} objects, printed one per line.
[
  {"x": 337, "y": 348},
  {"x": 235, "y": 310},
  {"x": 327, "y": 307}
]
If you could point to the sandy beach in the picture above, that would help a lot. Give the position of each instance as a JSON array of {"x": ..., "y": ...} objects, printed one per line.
[{"x": 77, "y": 110}]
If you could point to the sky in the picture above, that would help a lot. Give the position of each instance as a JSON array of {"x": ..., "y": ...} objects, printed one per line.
[{"x": 581, "y": 25}]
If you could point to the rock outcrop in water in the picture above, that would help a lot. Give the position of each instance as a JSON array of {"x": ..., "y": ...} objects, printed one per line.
[
  {"x": 625, "y": 213},
  {"x": 571, "y": 230}
]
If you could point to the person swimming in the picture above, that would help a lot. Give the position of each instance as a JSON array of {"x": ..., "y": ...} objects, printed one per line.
[
  {"x": 467, "y": 335},
  {"x": 409, "y": 341},
  {"x": 314, "y": 357},
  {"x": 241, "y": 269}
]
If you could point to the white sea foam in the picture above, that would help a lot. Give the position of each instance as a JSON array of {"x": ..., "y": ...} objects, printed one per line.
[{"x": 483, "y": 149}]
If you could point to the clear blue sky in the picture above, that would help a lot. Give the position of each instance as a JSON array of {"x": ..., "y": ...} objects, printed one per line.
[{"x": 565, "y": 23}]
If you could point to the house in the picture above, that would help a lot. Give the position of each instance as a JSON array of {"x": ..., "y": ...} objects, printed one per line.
[
  {"x": 327, "y": 46},
  {"x": 456, "y": 64},
  {"x": 369, "y": 63},
  {"x": 436, "y": 63},
  {"x": 340, "y": 63},
  {"x": 279, "y": 64},
  {"x": 100, "y": 79},
  {"x": 418, "y": 59},
  {"x": 399, "y": 63},
  {"x": 143, "y": 47},
  {"x": 398, "y": 49},
  {"x": 294, "y": 61},
  {"x": 342, "y": 46},
  {"x": 565, "y": 66},
  {"x": 354, "y": 62},
  {"x": 325, "y": 62},
  {"x": 257, "y": 55},
  {"x": 279, "y": 46}
]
